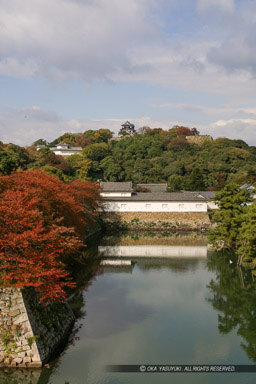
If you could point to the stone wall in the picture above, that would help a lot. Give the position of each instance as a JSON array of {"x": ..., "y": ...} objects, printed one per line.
[
  {"x": 199, "y": 140},
  {"x": 29, "y": 331},
  {"x": 156, "y": 220}
]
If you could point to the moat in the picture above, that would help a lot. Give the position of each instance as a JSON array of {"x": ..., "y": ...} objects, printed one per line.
[{"x": 176, "y": 303}]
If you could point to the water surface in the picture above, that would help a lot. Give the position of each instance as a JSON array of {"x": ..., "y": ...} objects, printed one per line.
[{"x": 178, "y": 303}]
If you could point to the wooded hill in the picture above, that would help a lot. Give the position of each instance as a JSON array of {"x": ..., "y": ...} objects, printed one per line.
[{"x": 178, "y": 155}]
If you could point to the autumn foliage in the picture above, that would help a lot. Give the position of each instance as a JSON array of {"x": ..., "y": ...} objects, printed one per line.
[
  {"x": 185, "y": 131},
  {"x": 41, "y": 221}
]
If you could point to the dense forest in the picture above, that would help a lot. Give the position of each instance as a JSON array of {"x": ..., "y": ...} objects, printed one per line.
[{"x": 148, "y": 156}]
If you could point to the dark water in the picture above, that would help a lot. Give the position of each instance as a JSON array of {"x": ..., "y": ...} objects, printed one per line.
[{"x": 182, "y": 305}]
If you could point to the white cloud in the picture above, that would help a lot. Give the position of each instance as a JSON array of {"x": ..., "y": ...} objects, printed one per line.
[
  {"x": 183, "y": 64},
  {"x": 127, "y": 41},
  {"x": 24, "y": 126},
  {"x": 243, "y": 129},
  {"x": 210, "y": 110},
  {"x": 224, "y": 5},
  {"x": 66, "y": 39},
  {"x": 236, "y": 46},
  {"x": 15, "y": 67}
]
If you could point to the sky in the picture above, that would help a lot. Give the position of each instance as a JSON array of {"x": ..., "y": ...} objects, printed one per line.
[{"x": 74, "y": 65}]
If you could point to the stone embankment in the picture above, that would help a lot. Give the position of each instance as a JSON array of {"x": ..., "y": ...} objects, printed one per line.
[
  {"x": 29, "y": 331},
  {"x": 157, "y": 220}
]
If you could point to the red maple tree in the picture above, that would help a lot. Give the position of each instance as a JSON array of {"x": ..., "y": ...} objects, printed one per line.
[
  {"x": 184, "y": 131},
  {"x": 41, "y": 221}
]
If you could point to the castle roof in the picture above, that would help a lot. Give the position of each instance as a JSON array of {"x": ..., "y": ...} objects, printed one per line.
[{"x": 109, "y": 186}]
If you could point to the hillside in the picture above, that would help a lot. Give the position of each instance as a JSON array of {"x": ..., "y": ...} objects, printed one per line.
[{"x": 180, "y": 156}]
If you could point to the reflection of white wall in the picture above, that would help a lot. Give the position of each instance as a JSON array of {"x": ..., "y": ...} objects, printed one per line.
[
  {"x": 212, "y": 205},
  {"x": 116, "y": 262},
  {"x": 153, "y": 251},
  {"x": 155, "y": 206}
]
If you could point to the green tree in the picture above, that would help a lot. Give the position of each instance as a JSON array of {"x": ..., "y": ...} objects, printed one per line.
[
  {"x": 231, "y": 201},
  {"x": 196, "y": 180},
  {"x": 68, "y": 138},
  {"x": 19, "y": 153},
  {"x": 123, "y": 133},
  {"x": 233, "y": 295},
  {"x": 102, "y": 135},
  {"x": 140, "y": 171},
  {"x": 178, "y": 144},
  {"x": 175, "y": 183},
  {"x": 45, "y": 151},
  {"x": 8, "y": 163},
  {"x": 40, "y": 158},
  {"x": 111, "y": 169},
  {"x": 80, "y": 165},
  {"x": 219, "y": 162},
  {"x": 96, "y": 152},
  {"x": 246, "y": 240},
  {"x": 52, "y": 171},
  {"x": 40, "y": 142}
]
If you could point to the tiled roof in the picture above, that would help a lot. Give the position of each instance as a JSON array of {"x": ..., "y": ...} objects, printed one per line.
[
  {"x": 154, "y": 187},
  {"x": 160, "y": 196},
  {"x": 207, "y": 194},
  {"x": 127, "y": 123},
  {"x": 109, "y": 186}
]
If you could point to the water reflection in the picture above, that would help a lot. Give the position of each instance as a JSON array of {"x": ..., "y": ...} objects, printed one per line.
[
  {"x": 149, "y": 251},
  {"x": 154, "y": 245},
  {"x": 155, "y": 238},
  {"x": 234, "y": 296},
  {"x": 20, "y": 376},
  {"x": 153, "y": 251},
  {"x": 172, "y": 308}
]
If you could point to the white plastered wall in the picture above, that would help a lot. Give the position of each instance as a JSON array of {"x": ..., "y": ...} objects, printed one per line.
[
  {"x": 116, "y": 194},
  {"x": 63, "y": 152},
  {"x": 155, "y": 206}
]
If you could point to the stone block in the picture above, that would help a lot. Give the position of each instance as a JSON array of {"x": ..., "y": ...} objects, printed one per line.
[
  {"x": 26, "y": 348},
  {"x": 23, "y": 340},
  {"x": 25, "y": 311},
  {"x": 29, "y": 334},
  {"x": 35, "y": 364},
  {"x": 26, "y": 327},
  {"x": 19, "y": 319},
  {"x": 19, "y": 306},
  {"x": 21, "y": 354},
  {"x": 36, "y": 358},
  {"x": 18, "y": 360},
  {"x": 14, "y": 312},
  {"x": 27, "y": 359}
]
